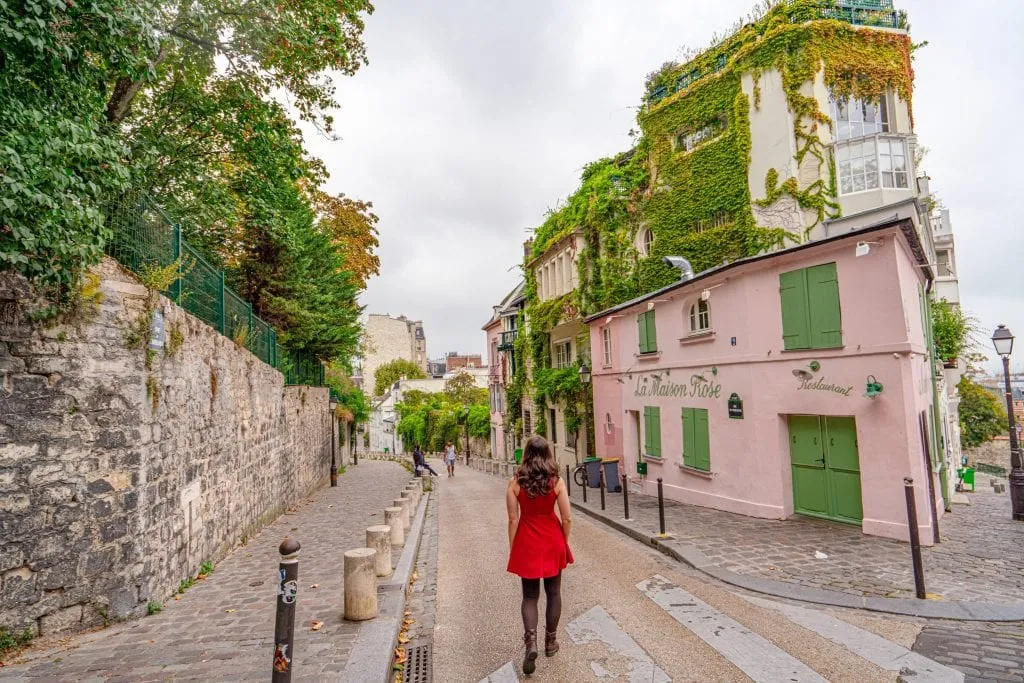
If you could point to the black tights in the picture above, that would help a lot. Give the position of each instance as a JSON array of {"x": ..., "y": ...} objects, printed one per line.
[{"x": 553, "y": 609}]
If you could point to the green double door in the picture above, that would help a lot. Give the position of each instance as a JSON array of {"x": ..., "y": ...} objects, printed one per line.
[{"x": 826, "y": 467}]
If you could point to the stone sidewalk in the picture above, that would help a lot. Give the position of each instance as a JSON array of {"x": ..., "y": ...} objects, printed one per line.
[
  {"x": 222, "y": 628},
  {"x": 979, "y": 558}
]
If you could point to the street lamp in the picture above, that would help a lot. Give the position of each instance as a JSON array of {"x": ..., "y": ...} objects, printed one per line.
[
  {"x": 1002, "y": 339},
  {"x": 333, "y": 403},
  {"x": 585, "y": 380}
]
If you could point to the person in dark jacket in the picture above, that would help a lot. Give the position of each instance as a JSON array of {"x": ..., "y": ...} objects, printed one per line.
[{"x": 419, "y": 461}]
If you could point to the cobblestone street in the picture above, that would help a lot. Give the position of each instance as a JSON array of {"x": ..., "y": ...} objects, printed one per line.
[
  {"x": 222, "y": 628},
  {"x": 966, "y": 565}
]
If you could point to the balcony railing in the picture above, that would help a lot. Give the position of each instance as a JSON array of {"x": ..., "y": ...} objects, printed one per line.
[{"x": 507, "y": 340}]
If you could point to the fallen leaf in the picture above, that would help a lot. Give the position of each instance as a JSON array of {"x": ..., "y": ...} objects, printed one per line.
[
  {"x": 315, "y": 585},
  {"x": 408, "y": 613},
  {"x": 402, "y": 639},
  {"x": 177, "y": 597},
  {"x": 400, "y": 656},
  {"x": 229, "y": 611},
  {"x": 316, "y": 626}
]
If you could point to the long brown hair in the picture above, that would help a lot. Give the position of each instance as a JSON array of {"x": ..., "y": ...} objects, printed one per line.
[{"x": 538, "y": 472}]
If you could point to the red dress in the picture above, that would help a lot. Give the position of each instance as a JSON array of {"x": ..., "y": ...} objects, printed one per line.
[{"x": 539, "y": 549}]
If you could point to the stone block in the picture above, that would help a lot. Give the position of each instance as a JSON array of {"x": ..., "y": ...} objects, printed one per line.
[
  {"x": 11, "y": 556},
  {"x": 13, "y": 503},
  {"x": 59, "y": 575},
  {"x": 61, "y": 620}
]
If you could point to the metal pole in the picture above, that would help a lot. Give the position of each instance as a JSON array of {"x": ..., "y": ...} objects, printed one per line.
[
  {"x": 1016, "y": 469},
  {"x": 915, "y": 537},
  {"x": 625, "y": 496},
  {"x": 568, "y": 482},
  {"x": 601, "y": 483},
  {"x": 334, "y": 439},
  {"x": 661, "y": 508},
  {"x": 586, "y": 485},
  {"x": 355, "y": 444},
  {"x": 284, "y": 624}
]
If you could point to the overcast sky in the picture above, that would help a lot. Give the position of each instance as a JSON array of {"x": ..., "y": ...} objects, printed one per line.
[{"x": 476, "y": 116}]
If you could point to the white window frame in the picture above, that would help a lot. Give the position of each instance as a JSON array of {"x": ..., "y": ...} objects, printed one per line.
[
  {"x": 646, "y": 241},
  {"x": 699, "y": 320},
  {"x": 606, "y": 345},
  {"x": 871, "y": 161},
  {"x": 850, "y": 122},
  {"x": 563, "y": 360}
]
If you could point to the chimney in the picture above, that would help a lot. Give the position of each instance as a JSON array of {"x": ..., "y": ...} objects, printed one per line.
[{"x": 528, "y": 249}]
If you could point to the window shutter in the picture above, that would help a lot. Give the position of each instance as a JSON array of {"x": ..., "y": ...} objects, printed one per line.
[
  {"x": 654, "y": 441},
  {"x": 689, "y": 450},
  {"x": 652, "y": 333},
  {"x": 642, "y": 323},
  {"x": 701, "y": 439},
  {"x": 823, "y": 296},
  {"x": 793, "y": 293},
  {"x": 647, "y": 428}
]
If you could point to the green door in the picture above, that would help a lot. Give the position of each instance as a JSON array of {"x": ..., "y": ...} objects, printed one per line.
[
  {"x": 826, "y": 467},
  {"x": 842, "y": 466},
  {"x": 805, "y": 448}
]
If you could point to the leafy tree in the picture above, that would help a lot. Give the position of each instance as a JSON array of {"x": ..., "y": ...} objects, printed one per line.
[
  {"x": 433, "y": 419},
  {"x": 462, "y": 389},
  {"x": 952, "y": 330},
  {"x": 392, "y": 371},
  {"x": 982, "y": 415},
  {"x": 353, "y": 406}
]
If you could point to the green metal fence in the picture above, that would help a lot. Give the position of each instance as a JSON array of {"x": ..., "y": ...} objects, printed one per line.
[{"x": 146, "y": 237}]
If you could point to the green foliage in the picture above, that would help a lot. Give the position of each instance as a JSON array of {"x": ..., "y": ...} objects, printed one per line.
[
  {"x": 353, "y": 404},
  {"x": 392, "y": 371},
  {"x": 206, "y": 568},
  {"x": 982, "y": 415},
  {"x": 462, "y": 388},
  {"x": 185, "y": 584},
  {"x": 433, "y": 419},
  {"x": 951, "y": 328},
  {"x": 13, "y": 641},
  {"x": 154, "y": 607}
]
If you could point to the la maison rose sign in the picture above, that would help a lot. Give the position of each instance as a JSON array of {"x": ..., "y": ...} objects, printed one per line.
[{"x": 697, "y": 387}]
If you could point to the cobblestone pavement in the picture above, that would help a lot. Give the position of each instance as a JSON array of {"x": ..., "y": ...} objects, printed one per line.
[
  {"x": 422, "y": 602},
  {"x": 986, "y": 653},
  {"x": 222, "y": 628},
  {"x": 978, "y": 559}
]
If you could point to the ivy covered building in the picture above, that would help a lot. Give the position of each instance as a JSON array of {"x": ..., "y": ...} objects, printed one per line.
[{"x": 798, "y": 127}]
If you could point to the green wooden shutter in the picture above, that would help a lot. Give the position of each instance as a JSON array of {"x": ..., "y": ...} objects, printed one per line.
[
  {"x": 652, "y": 415},
  {"x": 795, "y": 319},
  {"x": 701, "y": 439},
  {"x": 647, "y": 429},
  {"x": 652, "y": 333},
  {"x": 689, "y": 449},
  {"x": 823, "y": 298},
  {"x": 641, "y": 321}
]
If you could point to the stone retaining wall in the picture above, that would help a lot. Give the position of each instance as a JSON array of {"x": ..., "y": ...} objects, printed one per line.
[
  {"x": 121, "y": 474},
  {"x": 995, "y": 452}
]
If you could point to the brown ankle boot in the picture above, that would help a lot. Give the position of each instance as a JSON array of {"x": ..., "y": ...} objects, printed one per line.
[
  {"x": 530, "y": 658},
  {"x": 550, "y": 643}
]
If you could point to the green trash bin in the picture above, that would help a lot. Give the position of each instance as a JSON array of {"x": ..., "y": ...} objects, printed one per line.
[
  {"x": 593, "y": 466},
  {"x": 519, "y": 456}
]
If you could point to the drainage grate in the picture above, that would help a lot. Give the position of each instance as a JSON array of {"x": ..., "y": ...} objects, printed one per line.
[{"x": 419, "y": 666}]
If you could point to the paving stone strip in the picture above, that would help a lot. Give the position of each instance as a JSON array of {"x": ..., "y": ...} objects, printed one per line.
[{"x": 222, "y": 628}]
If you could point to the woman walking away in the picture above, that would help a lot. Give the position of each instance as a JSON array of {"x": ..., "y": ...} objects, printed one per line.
[
  {"x": 449, "y": 458},
  {"x": 539, "y": 541},
  {"x": 420, "y": 462}
]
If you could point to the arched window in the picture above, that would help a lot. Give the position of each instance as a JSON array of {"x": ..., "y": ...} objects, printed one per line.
[
  {"x": 700, "y": 317},
  {"x": 646, "y": 241}
]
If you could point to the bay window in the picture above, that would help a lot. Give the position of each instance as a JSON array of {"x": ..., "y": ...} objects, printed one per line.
[{"x": 870, "y": 163}]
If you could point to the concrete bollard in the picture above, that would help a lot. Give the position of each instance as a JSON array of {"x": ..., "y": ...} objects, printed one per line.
[
  {"x": 393, "y": 518},
  {"x": 360, "y": 584},
  {"x": 379, "y": 538},
  {"x": 403, "y": 502},
  {"x": 412, "y": 494}
]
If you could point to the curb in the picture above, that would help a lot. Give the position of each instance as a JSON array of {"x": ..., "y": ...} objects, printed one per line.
[
  {"x": 367, "y": 660},
  {"x": 957, "y": 610}
]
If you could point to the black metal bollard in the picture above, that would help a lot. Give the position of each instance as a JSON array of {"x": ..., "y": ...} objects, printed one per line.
[
  {"x": 915, "y": 538},
  {"x": 661, "y": 507},
  {"x": 625, "y": 497},
  {"x": 284, "y": 624},
  {"x": 568, "y": 482},
  {"x": 601, "y": 484},
  {"x": 586, "y": 485}
]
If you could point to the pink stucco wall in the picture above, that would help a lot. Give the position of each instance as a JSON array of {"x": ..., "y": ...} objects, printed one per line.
[
  {"x": 495, "y": 379},
  {"x": 750, "y": 458}
]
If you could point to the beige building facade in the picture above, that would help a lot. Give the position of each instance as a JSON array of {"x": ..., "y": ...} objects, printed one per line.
[{"x": 388, "y": 339}]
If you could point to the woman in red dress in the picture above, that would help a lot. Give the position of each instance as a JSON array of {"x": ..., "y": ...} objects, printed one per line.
[{"x": 540, "y": 542}]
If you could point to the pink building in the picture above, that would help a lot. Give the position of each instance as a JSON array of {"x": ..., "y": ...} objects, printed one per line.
[
  {"x": 501, "y": 331},
  {"x": 795, "y": 382}
]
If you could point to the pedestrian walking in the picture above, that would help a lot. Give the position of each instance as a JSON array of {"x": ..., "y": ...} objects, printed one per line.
[
  {"x": 449, "y": 458},
  {"x": 539, "y": 543},
  {"x": 419, "y": 461}
]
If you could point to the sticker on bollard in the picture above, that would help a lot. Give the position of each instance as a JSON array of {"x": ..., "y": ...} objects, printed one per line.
[{"x": 284, "y": 622}]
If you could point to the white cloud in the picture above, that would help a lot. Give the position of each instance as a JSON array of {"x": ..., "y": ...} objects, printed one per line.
[{"x": 472, "y": 119}]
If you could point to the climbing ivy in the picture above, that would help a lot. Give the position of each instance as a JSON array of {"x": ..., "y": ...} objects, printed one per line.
[{"x": 687, "y": 178}]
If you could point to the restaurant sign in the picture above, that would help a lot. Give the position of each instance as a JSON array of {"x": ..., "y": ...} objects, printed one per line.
[
  {"x": 822, "y": 384},
  {"x": 698, "y": 387}
]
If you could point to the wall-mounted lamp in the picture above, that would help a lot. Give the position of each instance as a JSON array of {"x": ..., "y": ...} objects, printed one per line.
[
  {"x": 864, "y": 248},
  {"x": 800, "y": 373},
  {"x": 874, "y": 388}
]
